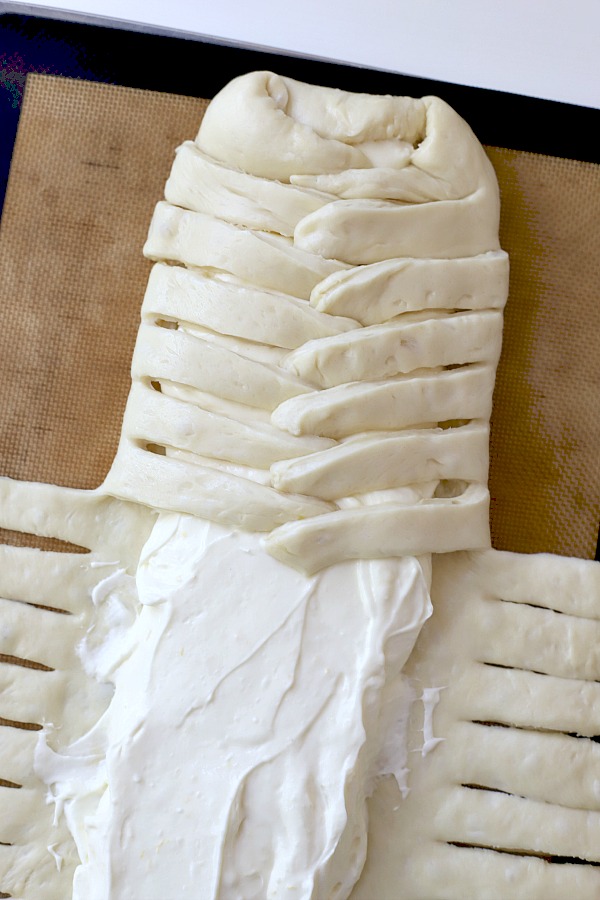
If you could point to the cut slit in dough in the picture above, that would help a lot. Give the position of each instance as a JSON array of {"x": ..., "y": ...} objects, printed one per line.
[
  {"x": 466, "y": 815},
  {"x": 512, "y": 783}
]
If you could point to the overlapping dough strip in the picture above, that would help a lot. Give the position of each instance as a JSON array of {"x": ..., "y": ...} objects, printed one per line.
[{"x": 328, "y": 282}]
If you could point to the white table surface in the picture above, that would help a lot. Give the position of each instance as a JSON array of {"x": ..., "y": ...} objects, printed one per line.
[{"x": 540, "y": 48}]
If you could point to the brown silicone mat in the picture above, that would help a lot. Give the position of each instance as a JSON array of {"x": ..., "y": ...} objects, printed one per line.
[
  {"x": 90, "y": 162},
  {"x": 545, "y": 447}
]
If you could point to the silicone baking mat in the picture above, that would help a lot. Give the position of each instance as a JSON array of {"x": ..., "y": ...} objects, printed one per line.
[{"x": 89, "y": 162}]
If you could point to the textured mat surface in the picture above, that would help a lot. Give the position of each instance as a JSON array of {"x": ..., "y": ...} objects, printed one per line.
[{"x": 89, "y": 164}]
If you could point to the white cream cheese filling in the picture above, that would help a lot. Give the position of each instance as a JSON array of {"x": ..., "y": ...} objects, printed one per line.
[
  {"x": 258, "y": 687},
  {"x": 254, "y": 708}
]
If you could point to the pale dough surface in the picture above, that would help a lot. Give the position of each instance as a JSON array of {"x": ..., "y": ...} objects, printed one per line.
[{"x": 508, "y": 670}]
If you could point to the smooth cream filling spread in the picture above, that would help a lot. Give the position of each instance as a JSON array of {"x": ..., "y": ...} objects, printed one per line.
[
  {"x": 246, "y": 721},
  {"x": 312, "y": 386}
]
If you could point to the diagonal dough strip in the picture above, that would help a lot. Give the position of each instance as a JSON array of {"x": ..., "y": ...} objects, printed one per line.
[
  {"x": 202, "y": 184},
  {"x": 360, "y": 232},
  {"x": 211, "y": 493},
  {"x": 381, "y": 291},
  {"x": 401, "y": 402},
  {"x": 385, "y": 530},
  {"x": 269, "y": 261},
  {"x": 176, "y": 356},
  {"x": 166, "y": 420},
  {"x": 383, "y": 460},
  {"x": 229, "y": 306},
  {"x": 412, "y": 341}
]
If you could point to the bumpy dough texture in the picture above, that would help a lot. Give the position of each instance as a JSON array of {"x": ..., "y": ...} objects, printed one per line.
[
  {"x": 315, "y": 364},
  {"x": 38, "y": 856},
  {"x": 503, "y": 783},
  {"x": 328, "y": 277}
]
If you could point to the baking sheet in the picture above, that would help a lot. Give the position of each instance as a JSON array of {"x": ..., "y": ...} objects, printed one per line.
[{"x": 89, "y": 162}]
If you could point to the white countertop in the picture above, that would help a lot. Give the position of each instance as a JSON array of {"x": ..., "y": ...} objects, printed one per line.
[{"x": 540, "y": 48}]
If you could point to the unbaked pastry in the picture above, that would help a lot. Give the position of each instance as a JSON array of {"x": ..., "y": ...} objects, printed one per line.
[{"x": 308, "y": 421}]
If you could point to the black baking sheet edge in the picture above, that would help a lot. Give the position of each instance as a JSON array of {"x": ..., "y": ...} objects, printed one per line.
[{"x": 200, "y": 68}]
